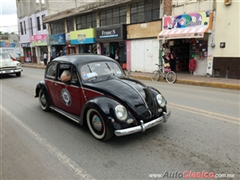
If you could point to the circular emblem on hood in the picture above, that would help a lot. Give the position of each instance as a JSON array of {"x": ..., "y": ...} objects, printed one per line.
[{"x": 66, "y": 97}]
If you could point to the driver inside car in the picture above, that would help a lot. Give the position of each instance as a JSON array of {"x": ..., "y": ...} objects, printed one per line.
[{"x": 67, "y": 76}]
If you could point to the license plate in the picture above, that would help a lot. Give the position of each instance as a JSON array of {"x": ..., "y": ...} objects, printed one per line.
[{"x": 9, "y": 71}]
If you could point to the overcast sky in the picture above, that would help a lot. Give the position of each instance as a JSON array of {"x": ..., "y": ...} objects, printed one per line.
[{"x": 8, "y": 16}]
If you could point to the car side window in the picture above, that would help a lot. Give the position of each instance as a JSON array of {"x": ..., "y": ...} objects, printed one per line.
[
  {"x": 51, "y": 71},
  {"x": 62, "y": 68},
  {"x": 67, "y": 70}
]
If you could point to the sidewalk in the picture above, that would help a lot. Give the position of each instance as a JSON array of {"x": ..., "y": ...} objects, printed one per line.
[{"x": 182, "y": 78}]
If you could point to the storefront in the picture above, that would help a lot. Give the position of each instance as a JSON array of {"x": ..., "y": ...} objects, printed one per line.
[
  {"x": 58, "y": 43},
  {"x": 39, "y": 44},
  {"x": 143, "y": 47},
  {"x": 189, "y": 37},
  {"x": 27, "y": 52},
  {"x": 112, "y": 41},
  {"x": 84, "y": 40}
]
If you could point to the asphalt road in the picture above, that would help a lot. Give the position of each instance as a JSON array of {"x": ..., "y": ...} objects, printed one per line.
[{"x": 202, "y": 135}]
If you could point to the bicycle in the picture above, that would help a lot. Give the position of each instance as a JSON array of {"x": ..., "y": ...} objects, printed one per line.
[{"x": 169, "y": 75}]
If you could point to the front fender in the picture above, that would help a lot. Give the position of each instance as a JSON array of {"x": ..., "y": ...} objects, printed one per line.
[
  {"x": 42, "y": 85},
  {"x": 104, "y": 105}
]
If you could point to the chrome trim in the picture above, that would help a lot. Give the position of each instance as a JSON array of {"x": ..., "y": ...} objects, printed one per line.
[
  {"x": 142, "y": 127},
  {"x": 75, "y": 119},
  {"x": 62, "y": 83},
  {"x": 92, "y": 90}
]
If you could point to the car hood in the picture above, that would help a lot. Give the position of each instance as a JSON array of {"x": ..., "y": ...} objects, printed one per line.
[
  {"x": 133, "y": 94},
  {"x": 7, "y": 63}
]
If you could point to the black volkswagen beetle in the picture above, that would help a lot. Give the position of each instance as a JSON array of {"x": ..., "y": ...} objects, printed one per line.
[{"x": 101, "y": 95}]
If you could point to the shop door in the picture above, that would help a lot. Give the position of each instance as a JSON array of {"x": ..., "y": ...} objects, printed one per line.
[{"x": 144, "y": 55}]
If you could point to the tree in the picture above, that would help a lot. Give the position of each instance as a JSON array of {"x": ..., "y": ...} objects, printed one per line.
[{"x": 6, "y": 33}]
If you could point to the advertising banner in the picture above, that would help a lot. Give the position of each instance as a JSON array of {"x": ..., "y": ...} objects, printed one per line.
[
  {"x": 39, "y": 40},
  {"x": 57, "y": 39},
  {"x": 85, "y": 36}
]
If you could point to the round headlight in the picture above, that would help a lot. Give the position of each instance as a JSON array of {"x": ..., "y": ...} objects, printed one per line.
[
  {"x": 18, "y": 65},
  {"x": 121, "y": 112},
  {"x": 161, "y": 101}
]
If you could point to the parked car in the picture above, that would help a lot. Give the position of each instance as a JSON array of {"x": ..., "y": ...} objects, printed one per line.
[
  {"x": 100, "y": 95},
  {"x": 8, "y": 65}
]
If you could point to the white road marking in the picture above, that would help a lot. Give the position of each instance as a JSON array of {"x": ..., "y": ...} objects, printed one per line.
[
  {"x": 210, "y": 114},
  {"x": 53, "y": 150}
]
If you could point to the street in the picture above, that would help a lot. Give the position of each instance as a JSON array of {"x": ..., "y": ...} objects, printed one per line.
[{"x": 202, "y": 134}]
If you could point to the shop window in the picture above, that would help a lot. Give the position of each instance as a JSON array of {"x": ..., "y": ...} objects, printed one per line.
[
  {"x": 103, "y": 22},
  {"x": 57, "y": 27},
  {"x": 21, "y": 27},
  {"x": 38, "y": 23},
  {"x": 31, "y": 26},
  {"x": 25, "y": 27},
  {"x": 155, "y": 14},
  {"x": 86, "y": 21},
  {"x": 70, "y": 25},
  {"x": 115, "y": 20},
  {"x": 44, "y": 25},
  {"x": 113, "y": 16},
  {"x": 145, "y": 11}
]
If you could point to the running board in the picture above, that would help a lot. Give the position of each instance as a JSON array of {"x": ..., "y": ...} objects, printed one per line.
[{"x": 68, "y": 115}]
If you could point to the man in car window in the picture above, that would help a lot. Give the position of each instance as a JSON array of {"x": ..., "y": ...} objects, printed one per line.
[{"x": 66, "y": 75}]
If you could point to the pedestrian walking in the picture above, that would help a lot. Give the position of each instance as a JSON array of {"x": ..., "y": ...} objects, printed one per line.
[{"x": 45, "y": 58}]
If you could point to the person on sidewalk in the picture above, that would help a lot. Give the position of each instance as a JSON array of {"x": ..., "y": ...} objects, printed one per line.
[
  {"x": 116, "y": 56},
  {"x": 45, "y": 58},
  {"x": 172, "y": 60}
]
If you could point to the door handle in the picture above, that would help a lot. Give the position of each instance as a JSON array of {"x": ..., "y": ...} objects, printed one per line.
[{"x": 56, "y": 84}]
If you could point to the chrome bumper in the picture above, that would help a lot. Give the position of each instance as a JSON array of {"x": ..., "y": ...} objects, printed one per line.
[
  {"x": 11, "y": 71},
  {"x": 143, "y": 127}
]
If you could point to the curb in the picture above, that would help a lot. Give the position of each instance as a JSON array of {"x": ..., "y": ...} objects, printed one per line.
[{"x": 197, "y": 83}]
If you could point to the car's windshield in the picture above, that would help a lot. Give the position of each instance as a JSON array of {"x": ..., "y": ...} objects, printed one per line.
[
  {"x": 4, "y": 56},
  {"x": 94, "y": 70}
]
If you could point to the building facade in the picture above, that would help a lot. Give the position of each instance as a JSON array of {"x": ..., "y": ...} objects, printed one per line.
[
  {"x": 215, "y": 51},
  {"x": 133, "y": 31}
]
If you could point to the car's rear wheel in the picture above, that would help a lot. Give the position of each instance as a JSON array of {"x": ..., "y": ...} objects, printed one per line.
[
  {"x": 43, "y": 101},
  {"x": 18, "y": 74},
  {"x": 98, "y": 126}
]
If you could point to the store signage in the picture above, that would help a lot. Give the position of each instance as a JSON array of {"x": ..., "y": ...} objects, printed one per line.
[
  {"x": 187, "y": 20},
  {"x": 39, "y": 40},
  {"x": 7, "y": 44},
  {"x": 110, "y": 33},
  {"x": 57, "y": 39},
  {"x": 85, "y": 36},
  {"x": 25, "y": 45}
]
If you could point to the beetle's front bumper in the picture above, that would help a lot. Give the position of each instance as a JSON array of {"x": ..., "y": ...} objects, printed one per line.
[{"x": 143, "y": 127}]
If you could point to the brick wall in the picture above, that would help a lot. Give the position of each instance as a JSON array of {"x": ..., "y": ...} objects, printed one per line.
[{"x": 168, "y": 7}]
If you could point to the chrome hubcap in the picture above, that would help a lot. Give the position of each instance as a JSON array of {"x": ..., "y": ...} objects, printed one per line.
[
  {"x": 43, "y": 99},
  {"x": 97, "y": 123}
]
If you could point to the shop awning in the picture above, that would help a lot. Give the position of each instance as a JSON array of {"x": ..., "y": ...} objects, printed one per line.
[{"x": 182, "y": 33}]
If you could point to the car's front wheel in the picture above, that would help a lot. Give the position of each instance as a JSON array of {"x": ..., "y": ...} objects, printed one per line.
[
  {"x": 43, "y": 101},
  {"x": 18, "y": 74},
  {"x": 97, "y": 126}
]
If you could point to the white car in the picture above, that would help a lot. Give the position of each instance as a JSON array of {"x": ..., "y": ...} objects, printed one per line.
[{"x": 8, "y": 65}]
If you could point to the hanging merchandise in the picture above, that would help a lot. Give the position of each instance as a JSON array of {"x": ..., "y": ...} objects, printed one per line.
[{"x": 192, "y": 65}]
